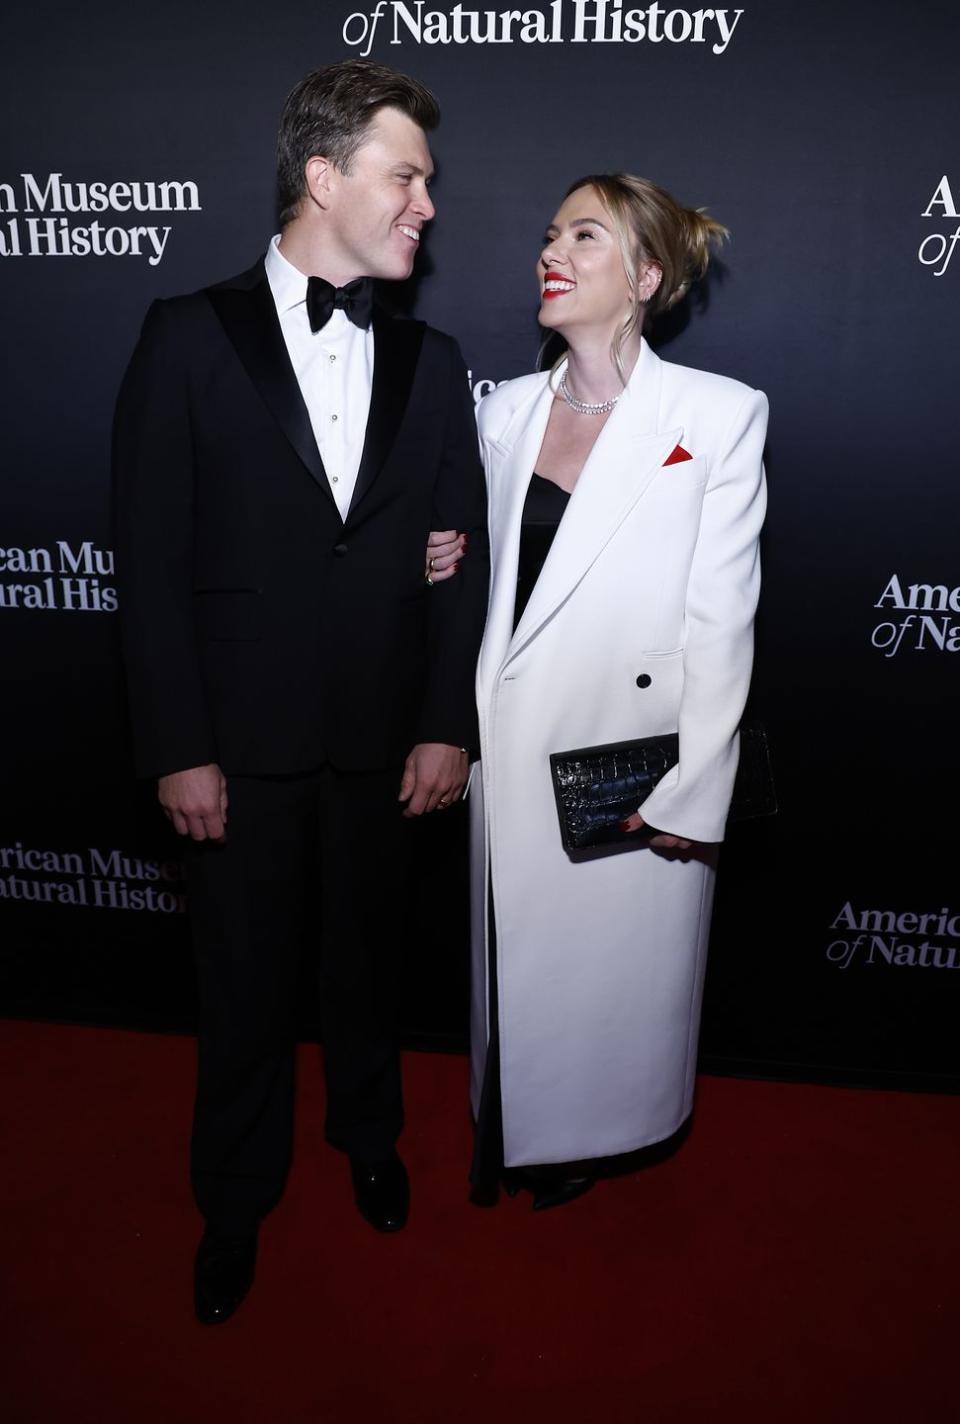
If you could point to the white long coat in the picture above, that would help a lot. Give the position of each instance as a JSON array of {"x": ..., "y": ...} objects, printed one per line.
[{"x": 654, "y": 571}]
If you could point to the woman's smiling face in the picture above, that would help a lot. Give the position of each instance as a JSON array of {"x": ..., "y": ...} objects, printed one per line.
[{"x": 580, "y": 270}]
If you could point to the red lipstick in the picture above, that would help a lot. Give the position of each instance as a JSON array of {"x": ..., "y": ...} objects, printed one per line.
[{"x": 552, "y": 276}]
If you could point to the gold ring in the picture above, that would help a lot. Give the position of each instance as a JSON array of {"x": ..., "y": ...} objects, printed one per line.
[
  {"x": 430, "y": 565},
  {"x": 428, "y": 580}
]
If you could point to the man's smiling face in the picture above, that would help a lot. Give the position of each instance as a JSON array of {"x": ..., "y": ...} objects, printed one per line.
[{"x": 377, "y": 209}]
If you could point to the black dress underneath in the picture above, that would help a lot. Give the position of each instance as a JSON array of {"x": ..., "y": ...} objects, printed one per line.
[{"x": 542, "y": 511}]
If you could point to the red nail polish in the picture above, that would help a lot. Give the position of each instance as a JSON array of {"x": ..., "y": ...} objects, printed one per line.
[
  {"x": 624, "y": 825},
  {"x": 456, "y": 566}
]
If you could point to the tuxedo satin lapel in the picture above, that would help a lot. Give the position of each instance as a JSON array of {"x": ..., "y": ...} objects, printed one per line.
[
  {"x": 249, "y": 317},
  {"x": 626, "y": 457},
  {"x": 396, "y": 350}
]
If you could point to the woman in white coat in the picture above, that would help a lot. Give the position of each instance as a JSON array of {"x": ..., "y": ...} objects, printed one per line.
[{"x": 626, "y": 499}]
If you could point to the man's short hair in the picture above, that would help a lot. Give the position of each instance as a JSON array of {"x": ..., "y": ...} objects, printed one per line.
[{"x": 328, "y": 113}]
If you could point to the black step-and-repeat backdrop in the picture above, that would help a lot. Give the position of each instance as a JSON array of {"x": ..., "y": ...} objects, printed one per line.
[{"x": 137, "y": 160}]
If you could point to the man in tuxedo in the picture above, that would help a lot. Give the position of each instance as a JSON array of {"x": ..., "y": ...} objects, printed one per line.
[{"x": 282, "y": 449}]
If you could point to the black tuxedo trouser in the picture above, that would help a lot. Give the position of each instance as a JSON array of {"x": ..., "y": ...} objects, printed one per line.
[{"x": 313, "y": 864}]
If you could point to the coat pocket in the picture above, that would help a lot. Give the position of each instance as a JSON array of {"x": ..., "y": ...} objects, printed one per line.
[
  {"x": 228, "y": 615},
  {"x": 684, "y": 474},
  {"x": 653, "y": 683}
]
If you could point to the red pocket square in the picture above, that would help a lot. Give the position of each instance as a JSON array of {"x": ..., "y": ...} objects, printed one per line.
[{"x": 678, "y": 454}]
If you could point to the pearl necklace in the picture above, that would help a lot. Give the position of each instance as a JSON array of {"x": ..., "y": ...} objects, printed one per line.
[{"x": 585, "y": 407}]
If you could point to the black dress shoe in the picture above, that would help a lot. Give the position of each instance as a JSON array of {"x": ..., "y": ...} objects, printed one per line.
[
  {"x": 223, "y": 1273},
  {"x": 382, "y": 1192}
]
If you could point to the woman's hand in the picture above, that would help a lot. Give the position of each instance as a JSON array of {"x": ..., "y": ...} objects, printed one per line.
[
  {"x": 445, "y": 549},
  {"x": 434, "y": 776},
  {"x": 660, "y": 838}
]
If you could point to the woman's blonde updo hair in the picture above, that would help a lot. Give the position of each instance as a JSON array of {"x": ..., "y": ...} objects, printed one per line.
[{"x": 652, "y": 227}]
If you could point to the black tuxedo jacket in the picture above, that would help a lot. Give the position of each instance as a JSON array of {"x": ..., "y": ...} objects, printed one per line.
[{"x": 261, "y": 631}]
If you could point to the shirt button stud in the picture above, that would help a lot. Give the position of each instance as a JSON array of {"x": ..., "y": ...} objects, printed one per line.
[
  {"x": 334, "y": 417},
  {"x": 333, "y": 358},
  {"x": 644, "y": 680}
]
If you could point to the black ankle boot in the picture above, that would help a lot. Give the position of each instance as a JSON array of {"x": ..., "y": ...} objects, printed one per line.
[
  {"x": 486, "y": 1194},
  {"x": 548, "y": 1187}
]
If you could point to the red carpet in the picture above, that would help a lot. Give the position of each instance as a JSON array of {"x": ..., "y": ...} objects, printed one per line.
[{"x": 797, "y": 1259}]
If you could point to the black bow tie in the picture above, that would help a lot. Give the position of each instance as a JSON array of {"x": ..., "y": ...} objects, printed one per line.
[{"x": 323, "y": 299}]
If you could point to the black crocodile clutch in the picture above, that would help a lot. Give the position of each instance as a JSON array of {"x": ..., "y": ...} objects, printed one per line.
[{"x": 598, "y": 787}]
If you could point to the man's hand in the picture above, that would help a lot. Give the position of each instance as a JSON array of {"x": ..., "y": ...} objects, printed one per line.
[
  {"x": 445, "y": 549},
  {"x": 666, "y": 842},
  {"x": 434, "y": 775},
  {"x": 195, "y": 801}
]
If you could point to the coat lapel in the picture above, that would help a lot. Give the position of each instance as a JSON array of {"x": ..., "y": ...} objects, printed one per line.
[
  {"x": 511, "y": 456},
  {"x": 626, "y": 457},
  {"x": 396, "y": 350},
  {"x": 248, "y": 315}
]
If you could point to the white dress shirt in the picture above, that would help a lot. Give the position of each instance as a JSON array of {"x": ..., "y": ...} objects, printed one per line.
[{"x": 334, "y": 369}]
